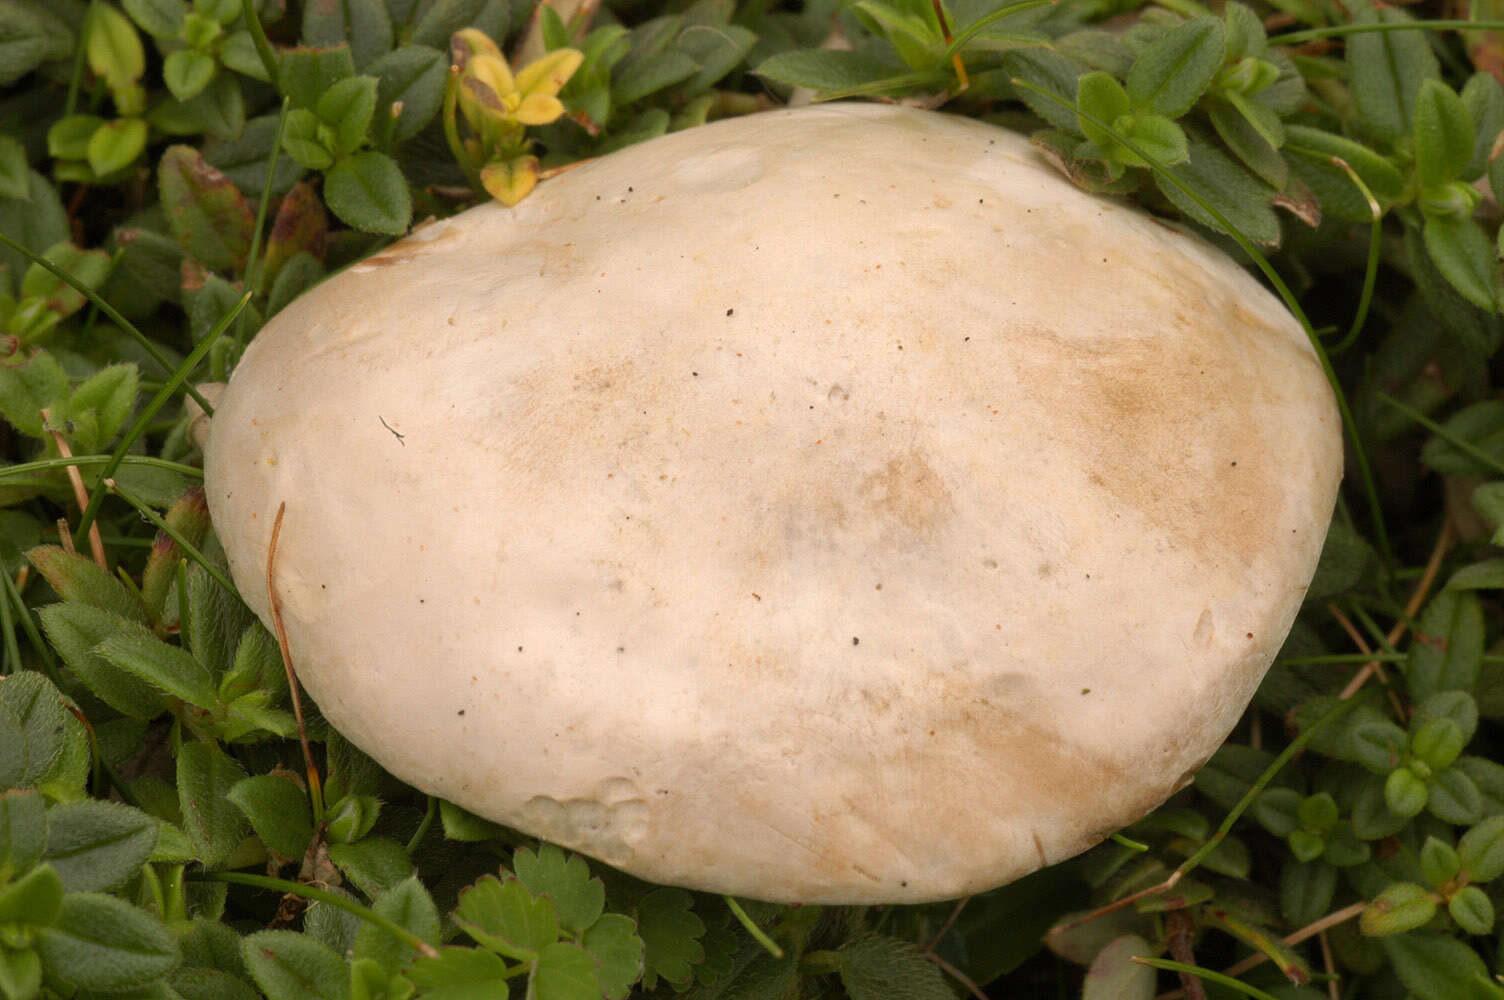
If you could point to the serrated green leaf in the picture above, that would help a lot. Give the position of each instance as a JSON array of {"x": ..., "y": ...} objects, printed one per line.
[
  {"x": 165, "y": 667},
  {"x": 564, "y": 971},
  {"x": 213, "y": 823},
  {"x": 505, "y": 917},
  {"x": 671, "y": 932},
  {"x": 578, "y": 898},
  {"x": 368, "y": 191},
  {"x": 883, "y": 968},
  {"x": 618, "y": 951},
  {"x": 74, "y": 630},
  {"x": 460, "y": 974},
  {"x": 409, "y": 905},
  {"x": 1170, "y": 75},
  {"x": 277, "y": 809},
  {"x": 291, "y": 966},
  {"x": 373, "y": 865},
  {"x": 95, "y": 845},
  {"x": 103, "y": 943}
]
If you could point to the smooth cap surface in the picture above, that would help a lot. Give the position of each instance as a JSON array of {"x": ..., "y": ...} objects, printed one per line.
[{"x": 830, "y": 505}]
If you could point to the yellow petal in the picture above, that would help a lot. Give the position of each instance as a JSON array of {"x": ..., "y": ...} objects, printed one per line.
[
  {"x": 494, "y": 72},
  {"x": 538, "y": 109},
  {"x": 549, "y": 74},
  {"x": 509, "y": 181},
  {"x": 468, "y": 43}
]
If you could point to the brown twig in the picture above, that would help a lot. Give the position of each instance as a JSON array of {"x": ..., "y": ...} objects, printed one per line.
[
  {"x": 315, "y": 787},
  {"x": 950, "y": 922},
  {"x": 65, "y": 536},
  {"x": 80, "y": 492},
  {"x": 1308, "y": 931},
  {"x": 958, "y": 976},
  {"x": 1181, "y": 930},
  {"x": 1333, "y": 985}
]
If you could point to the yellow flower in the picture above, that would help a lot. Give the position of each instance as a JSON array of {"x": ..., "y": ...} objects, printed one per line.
[{"x": 491, "y": 95}]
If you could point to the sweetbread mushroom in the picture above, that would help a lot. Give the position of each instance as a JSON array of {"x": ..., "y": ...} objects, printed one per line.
[{"x": 830, "y": 505}]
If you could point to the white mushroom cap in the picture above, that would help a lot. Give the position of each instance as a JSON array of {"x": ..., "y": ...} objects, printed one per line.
[{"x": 830, "y": 505}]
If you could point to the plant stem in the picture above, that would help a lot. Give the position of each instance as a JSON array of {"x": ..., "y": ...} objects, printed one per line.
[
  {"x": 263, "y": 46},
  {"x": 188, "y": 547},
  {"x": 367, "y": 914},
  {"x": 758, "y": 934}
]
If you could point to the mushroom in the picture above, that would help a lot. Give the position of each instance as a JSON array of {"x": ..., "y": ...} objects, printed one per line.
[{"x": 827, "y": 505}]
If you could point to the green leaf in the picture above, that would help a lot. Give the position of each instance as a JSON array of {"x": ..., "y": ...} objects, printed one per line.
[
  {"x": 90, "y": 267},
  {"x": 1379, "y": 746},
  {"x": 28, "y": 384},
  {"x": 1481, "y": 850},
  {"x": 368, "y": 191},
  {"x": 409, "y": 905},
  {"x": 347, "y": 108},
  {"x": 1439, "y": 863},
  {"x": 1100, "y": 96},
  {"x": 578, "y": 898},
  {"x": 1448, "y": 646},
  {"x": 1401, "y": 907},
  {"x": 213, "y": 823},
  {"x": 305, "y": 140},
  {"x": 95, "y": 845},
  {"x": 637, "y": 79},
  {"x": 15, "y": 180},
  {"x": 103, "y": 943},
  {"x": 49, "y": 730},
  {"x": 1305, "y": 890},
  {"x": 444, "y": 17},
  {"x": 1159, "y": 138},
  {"x": 1404, "y": 793},
  {"x": 1485, "y": 575},
  {"x": 505, "y": 917},
  {"x": 364, "y": 24},
  {"x": 1243, "y": 126},
  {"x": 114, "y": 48},
  {"x": 1443, "y": 134},
  {"x": 20, "y": 974},
  {"x": 1438, "y": 743},
  {"x": 167, "y": 668},
  {"x": 1112, "y": 975},
  {"x": 307, "y": 73},
  {"x": 1471, "y": 908},
  {"x": 883, "y": 968},
  {"x": 216, "y": 618},
  {"x": 187, "y": 72},
  {"x": 352, "y": 818},
  {"x": 565, "y": 971},
  {"x": 74, "y": 630},
  {"x": 207, "y": 214},
  {"x": 717, "y": 49},
  {"x": 671, "y": 932},
  {"x": 1229, "y": 188},
  {"x": 460, "y": 974},
  {"x": 158, "y": 18},
  {"x": 34, "y": 899},
  {"x": 29, "y": 36},
  {"x": 23, "y": 831},
  {"x": 828, "y": 69},
  {"x": 1170, "y": 75},
  {"x": 80, "y": 581},
  {"x": 373, "y": 865},
  {"x": 1435, "y": 966},
  {"x": 68, "y": 137},
  {"x": 1454, "y": 797},
  {"x": 110, "y": 395},
  {"x": 301, "y": 272},
  {"x": 413, "y": 75},
  {"x": 465, "y": 827},
  {"x": 1387, "y": 70},
  {"x": 1463, "y": 253},
  {"x": 219, "y": 109},
  {"x": 613, "y": 940},
  {"x": 277, "y": 808},
  {"x": 1277, "y": 810},
  {"x": 38, "y": 220},
  {"x": 291, "y": 966},
  {"x": 1483, "y": 97}
]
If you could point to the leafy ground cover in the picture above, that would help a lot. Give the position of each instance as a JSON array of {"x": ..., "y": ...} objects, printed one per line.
[{"x": 172, "y": 174}]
